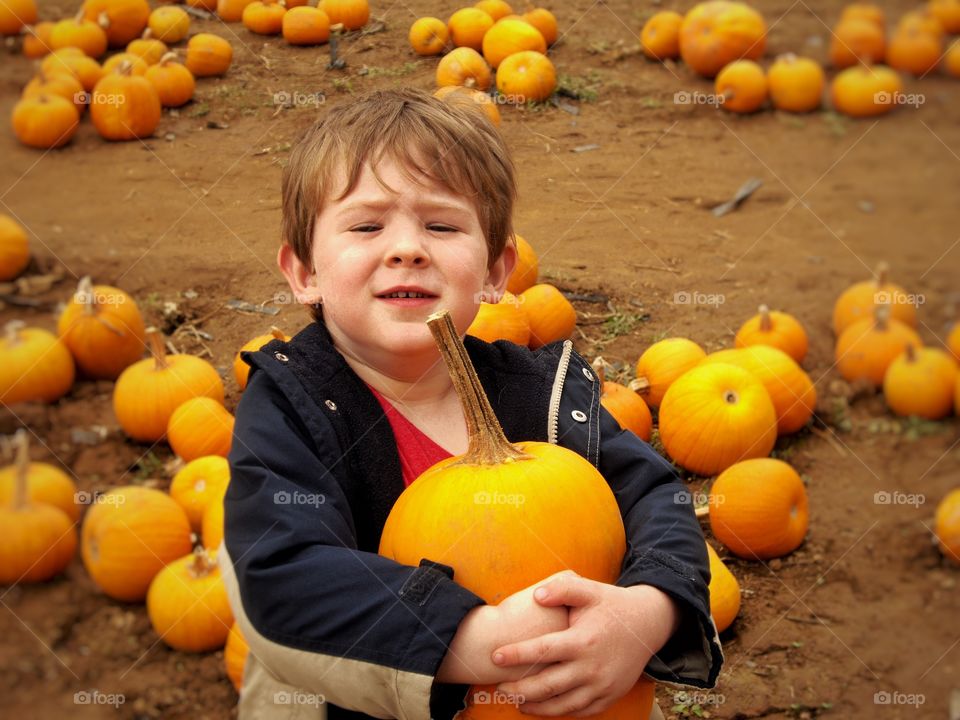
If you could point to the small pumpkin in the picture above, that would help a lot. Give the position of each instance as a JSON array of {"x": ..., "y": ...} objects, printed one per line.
[
  {"x": 235, "y": 656},
  {"x": 921, "y": 19},
  {"x": 525, "y": 76},
  {"x": 864, "y": 11},
  {"x": 862, "y": 91},
  {"x": 468, "y": 26},
  {"x": 790, "y": 389},
  {"x": 45, "y": 483},
  {"x": 36, "y": 39},
  {"x": 758, "y": 509},
  {"x": 169, "y": 23},
  {"x": 128, "y": 536},
  {"x": 544, "y": 21},
  {"x": 502, "y": 320},
  {"x": 149, "y": 391},
  {"x": 857, "y": 41},
  {"x": 947, "y": 525},
  {"x": 15, "y": 14},
  {"x": 724, "y": 592},
  {"x": 123, "y": 20},
  {"x": 85, "y": 35},
  {"x": 36, "y": 365},
  {"x": 714, "y": 416},
  {"x": 947, "y": 12},
  {"x": 509, "y": 36},
  {"x": 915, "y": 52},
  {"x": 14, "y": 248},
  {"x": 264, "y": 17},
  {"x": 660, "y": 37},
  {"x": 627, "y": 408},
  {"x": 148, "y": 48},
  {"x": 951, "y": 60},
  {"x": 198, "y": 483},
  {"x": 211, "y": 524},
  {"x": 921, "y": 382},
  {"x": 480, "y": 100},
  {"x": 187, "y": 604},
  {"x": 39, "y": 540},
  {"x": 306, "y": 26},
  {"x": 138, "y": 66},
  {"x": 776, "y": 329},
  {"x": 66, "y": 85},
  {"x": 551, "y": 316},
  {"x": 232, "y": 10},
  {"x": 200, "y": 426},
  {"x": 464, "y": 66},
  {"x": 661, "y": 364},
  {"x": 125, "y": 106},
  {"x": 173, "y": 82},
  {"x": 796, "y": 83},
  {"x": 743, "y": 86},
  {"x": 71, "y": 60},
  {"x": 352, "y": 14},
  {"x": 241, "y": 370},
  {"x": 715, "y": 33},
  {"x": 428, "y": 36},
  {"x": 953, "y": 339},
  {"x": 867, "y": 347},
  {"x": 496, "y": 9},
  {"x": 208, "y": 55},
  {"x": 861, "y": 299},
  {"x": 103, "y": 329},
  {"x": 526, "y": 270}
]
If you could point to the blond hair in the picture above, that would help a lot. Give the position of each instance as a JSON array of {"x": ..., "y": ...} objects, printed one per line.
[{"x": 450, "y": 142}]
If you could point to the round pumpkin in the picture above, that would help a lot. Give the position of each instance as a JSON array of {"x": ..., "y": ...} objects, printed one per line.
[
  {"x": 36, "y": 365},
  {"x": 714, "y": 416},
  {"x": 241, "y": 370},
  {"x": 496, "y": 9},
  {"x": 169, "y": 24},
  {"x": 123, "y": 20},
  {"x": 45, "y": 121},
  {"x": 36, "y": 40},
  {"x": 306, "y": 26},
  {"x": 526, "y": 270},
  {"x": 947, "y": 12},
  {"x": 862, "y": 91},
  {"x": 428, "y": 36},
  {"x": 125, "y": 106},
  {"x": 211, "y": 524},
  {"x": 551, "y": 316},
  {"x": 920, "y": 19},
  {"x": 724, "y": 592},
  {"x": 921, "y": 382},
  {"x": 510, "y": 36},
  {"x": 39, "y": 540},
  {"x": 264, "y": 17},
  {"x": 661, "y": 364},
  {"x": 464, "y": 66},
  {"x": 864, "y": 11},
  {"x": 951, "y": 60},
  {"x": 45, "y": 483},
  {"x": 66, "y": 85},
  {"x": 235, "y": 656},
  {"x": 463, "y": 512},
  {"x": 85, "y": 35},
  {"x": 128, "y": 536},
  {"x": 148, "y": 48},
  {"x": 715, "y": 33},
  {"x": 208, "y": 55},
  {"x": 947, "y": 525},
  {"x": 70, "y": 60},
  {"x": 915, "y": 52},
  {"x": 478, "y": 98},
  {"x": 468, "y": 26},
  {"x": 15, "y": 14},
  {"x": 526, "y": 76},
  {"x": 743, "y": 86},
  {"x": 173, "y": 82},
  {"x": 861, "y": 299},
  {"x": 544, "y": 21},
  {"x": 776, "y": 329},
  {"x": 502, "y": 320},
  {"x": 14, "y": 248},
  {"x": 200, "y": 426},
  {"x": 627, "y": 408},
  {"x": 758, "y": 509},
  {"x": 231, "y": 10},
  {"x": 660, "y": 37},
  {"x": 187, "y": 604},
  {"x": 352, "y": 14},
  {"x": 857, "y": 42},
  {"x": 795, "y": 83},
  {"x": 138, "y": 66},
  {"x": 867, "y": 347},
  {"x": 148, "y": 392}
]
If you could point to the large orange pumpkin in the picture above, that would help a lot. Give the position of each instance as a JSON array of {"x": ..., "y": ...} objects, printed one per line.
[
  {"x": 45, "y": 121},
  {"x": 867, "y": 347},
  {"x": 80, "y": 33},
  {"x": 467, "y": 27},
  {"x": 173, "y": 82},
  {"x": 921, "y": 382},
  {"x": 714, "y": 416},
  {"x": 306, "y": 26},
  {"x": 36, "y": 365},
  {"x": 502, "y": 320},
  {"x": 526, "y": 270},
  {"x": 551, "y": 316},
  {"x": 661, "y": 364},
  {"x": 128, "y": 536},
  {"x": 463, "y": 512},
  {"x": 428, "y": 36},
  {"x": 776, "y": 329},
  {"x": 717, "y": 32},
  {"x": 796, "y": 83},
  {"x": 509, "y": 36},
  {"x": 200, "y": 426},
  {"x": 862, "y": 91},
  {"x": 724, "y": 592},
  {"x": 208, "y": 55},
  {"x": 125, "y": 106},
  {"x": 464, "y": 66},
  {"x": 627, "y": 408},
  {"x": 861, "y": 299},
  {"x": 526, "y": 76}
]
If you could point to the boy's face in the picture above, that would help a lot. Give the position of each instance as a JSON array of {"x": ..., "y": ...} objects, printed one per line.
[{"x": 420, "y": 240}]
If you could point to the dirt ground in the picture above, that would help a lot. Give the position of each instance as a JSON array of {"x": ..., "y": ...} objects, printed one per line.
[{"x": 615, "y": 195}]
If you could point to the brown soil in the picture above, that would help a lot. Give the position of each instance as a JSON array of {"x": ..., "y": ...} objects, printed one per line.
[{"x": 191, "y": 216}]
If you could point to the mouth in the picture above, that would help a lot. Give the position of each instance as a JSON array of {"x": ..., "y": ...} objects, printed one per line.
[{"x": 406, "y": 293}]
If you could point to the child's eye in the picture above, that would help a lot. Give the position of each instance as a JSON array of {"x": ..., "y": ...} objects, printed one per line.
[
  {"x": 440, "y": 227},
  {"x": 365, "y": 228}
]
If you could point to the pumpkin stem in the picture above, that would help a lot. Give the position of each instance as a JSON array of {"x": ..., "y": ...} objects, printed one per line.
[
  {"x": 157, "y": 349},
  {"x": 22, "y": 462},
  {"x": 731, "y": 397},
  {"x": 640, "y": 385},
  {"x": 85, "y": 295},
  {"x": 881, "y": 317},
  {"x": 911, "y": 353},
  {"x": 78, "y": 18},
  {"x": 488, "y": 444},
  {"x": 470, "y": 82},
  {"x": 124, "y": 68},
  {"x": 12, "y": 329},
  {"x": 883, "y": 270},
  {"x": 766, "y": 324},
  {"x": 202, "y": 565},
  {"x": 167, "y": 57},
  {"x": 147, "y": 34},
  {"x": 598, "y": 366},
  {"x": 276, "y": 332},
  {"x": 103, "y": 20}
]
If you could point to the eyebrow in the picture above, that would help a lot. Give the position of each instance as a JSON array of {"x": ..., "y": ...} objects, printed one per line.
[{"x": 384, "y": 205}]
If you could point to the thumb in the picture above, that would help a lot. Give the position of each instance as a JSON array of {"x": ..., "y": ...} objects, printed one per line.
[{"x": 565, "y": 588}]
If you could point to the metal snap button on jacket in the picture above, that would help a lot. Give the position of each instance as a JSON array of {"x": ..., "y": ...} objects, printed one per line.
[
  {"x": 579, "y": 416},
  {"x": 587, "y": 374},
  {"x": 330, "y": 404},
  {"x": 280, "y": 356}
]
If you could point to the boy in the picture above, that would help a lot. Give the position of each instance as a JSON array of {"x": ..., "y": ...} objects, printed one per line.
[{"x": 395, "y": 206}]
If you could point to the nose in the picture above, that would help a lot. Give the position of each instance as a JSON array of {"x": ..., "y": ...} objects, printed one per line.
[{"x": 407, "y": 250}]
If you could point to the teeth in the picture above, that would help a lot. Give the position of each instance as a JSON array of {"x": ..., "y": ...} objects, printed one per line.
[{"x": 404, "y": 294}]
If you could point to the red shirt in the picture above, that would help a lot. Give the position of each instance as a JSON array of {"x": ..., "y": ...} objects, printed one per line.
[{"x": 417, "y": 451}]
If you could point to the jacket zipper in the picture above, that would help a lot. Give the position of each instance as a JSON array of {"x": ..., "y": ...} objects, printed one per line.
[{"x": 553, "y": 416}]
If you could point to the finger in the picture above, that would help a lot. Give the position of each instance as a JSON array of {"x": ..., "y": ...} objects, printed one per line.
[
  {"x": 566, "y": 589},
  {"x": 549, "y": 648},
  {"x": 548, "y": 683},
  {"x": 568, "y": 703}
]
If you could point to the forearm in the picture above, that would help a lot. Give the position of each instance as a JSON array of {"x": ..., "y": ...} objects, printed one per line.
[{"x": 656, "y": 615}]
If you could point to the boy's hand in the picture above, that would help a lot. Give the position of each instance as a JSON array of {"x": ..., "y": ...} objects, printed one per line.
[{"x": 613, "y": 633}]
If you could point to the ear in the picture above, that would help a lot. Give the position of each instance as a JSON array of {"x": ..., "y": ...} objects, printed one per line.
[
  {"x": 301, "y": 278},
  {"x": 500, "y": 270}
]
